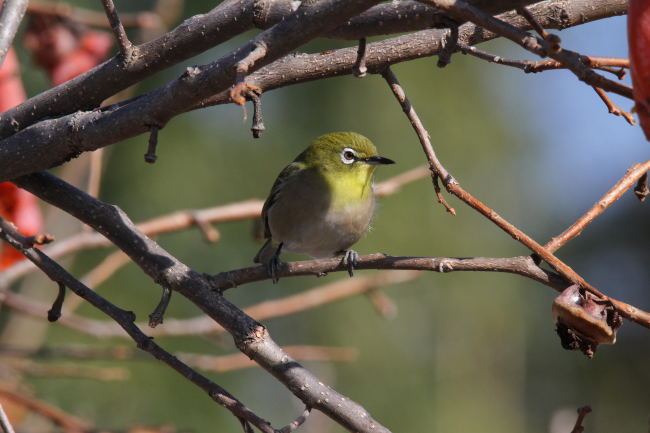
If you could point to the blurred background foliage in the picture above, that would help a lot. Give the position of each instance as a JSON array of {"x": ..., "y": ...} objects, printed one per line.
[{"x": 466, "y": 352}]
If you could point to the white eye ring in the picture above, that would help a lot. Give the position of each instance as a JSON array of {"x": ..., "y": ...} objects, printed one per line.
[{"x": 348, "y": 156}]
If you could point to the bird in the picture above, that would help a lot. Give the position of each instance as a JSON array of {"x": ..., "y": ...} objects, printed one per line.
[{"x": 323, "y": 202}]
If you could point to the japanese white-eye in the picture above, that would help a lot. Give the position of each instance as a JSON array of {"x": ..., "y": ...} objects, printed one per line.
[{"x": 323, "y": 202}]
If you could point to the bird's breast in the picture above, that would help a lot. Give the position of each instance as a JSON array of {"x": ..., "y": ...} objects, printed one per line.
[{"x": 314, "y": 217}]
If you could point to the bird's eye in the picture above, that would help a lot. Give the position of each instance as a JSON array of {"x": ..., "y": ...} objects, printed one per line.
[{"x": 348, "y": 156}]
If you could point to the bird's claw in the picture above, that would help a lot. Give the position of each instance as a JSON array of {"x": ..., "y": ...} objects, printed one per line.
[
  {"x": 272, "y": 265},
  {"x": 350, "y": 259}
]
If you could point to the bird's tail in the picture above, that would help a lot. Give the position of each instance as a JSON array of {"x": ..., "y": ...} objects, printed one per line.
[{"x": 265, "y": 254}]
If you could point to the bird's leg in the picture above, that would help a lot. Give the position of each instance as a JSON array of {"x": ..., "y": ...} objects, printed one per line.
[
  {"x": 350, "y": 259},
  {"x": 275, "y": 263}
]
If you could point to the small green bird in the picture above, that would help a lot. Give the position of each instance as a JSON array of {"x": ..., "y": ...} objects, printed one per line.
[{"x": 323, "y": 202}]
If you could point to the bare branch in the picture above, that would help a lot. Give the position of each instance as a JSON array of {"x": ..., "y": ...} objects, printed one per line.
[
  {"x": 633, "y": 174},
  {"x": 250, "y": 337},
  {"x": 613, "y": 108},
  {"x": 11, "y": 15},
  {"x": 150, "y": 156},
  {"x": 92, "y": 130},
  {"x": 641, "y": 189},
  {"x": 582, "y": 413},
  {"x": 69, "y": 423},
  {"x": 156, "y": 318},
  {"x": 298, "y": 422},
  {"x": 125, "y": 46},
  {"x": 4, "y": 422},
  {"x": 258, "y": 120},
  {"x": 449, "y": 44},
  {"x": 553, "y": 40},
  {"x": 242, "y": 70},
  {"x": 630, "y": 313},
  {"x": 359, "y": 68},
  {"x": 143, "y": 20},
  {"x": 570, "y": 59},
  {"x": 55, "y": 312},
  {"x": 125, "y": 319}
]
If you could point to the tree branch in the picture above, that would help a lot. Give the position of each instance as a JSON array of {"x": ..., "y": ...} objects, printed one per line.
[
  {"x": 630, "y": 313},
  {"x": 297, "y": 69},
  {"x": 250, "y": 337},
  {"x": 11, "y": 15},
  {"x": 180, "y": 220},
  {"x": 125, "y": 319},
  {"x": 68, "y": 136},
  {"x": 633, "y": 174},
  {"x": 125, "y": 46}
]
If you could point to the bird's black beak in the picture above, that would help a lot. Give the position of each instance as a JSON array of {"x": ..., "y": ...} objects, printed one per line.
[{"x": 376, "y": 160}]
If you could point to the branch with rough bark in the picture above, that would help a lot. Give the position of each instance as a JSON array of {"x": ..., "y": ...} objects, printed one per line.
[
  {"x": 250, "y": 337},
  {"x": 67, "y": 136}
]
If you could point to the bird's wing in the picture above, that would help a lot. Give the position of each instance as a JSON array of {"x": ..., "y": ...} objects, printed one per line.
[{"x": 288, "y": 172}]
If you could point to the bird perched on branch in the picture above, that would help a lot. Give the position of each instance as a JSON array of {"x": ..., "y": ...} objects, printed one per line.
[{"x": 323, "y": 202}]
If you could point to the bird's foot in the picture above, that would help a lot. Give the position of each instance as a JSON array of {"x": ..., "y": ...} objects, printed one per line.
[
  {"x": 272, "y": 265},
  {"x": 275, "y": 263},
  {"x": 350, "y": 260}
]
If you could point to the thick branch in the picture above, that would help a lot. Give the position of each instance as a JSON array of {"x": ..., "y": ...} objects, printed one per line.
[
  {"x": 229, "y": 19},
  {"x": 54, "y": 141},
  {"x": 250, "y": 337},
  {"x": 117, "y": 123},
  {"x": 125, "y": 319},
  {"x": 297, "y": 69}
]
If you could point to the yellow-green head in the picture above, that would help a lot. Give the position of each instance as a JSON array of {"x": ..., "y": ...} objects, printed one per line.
[{"x": 346, "y": 160}]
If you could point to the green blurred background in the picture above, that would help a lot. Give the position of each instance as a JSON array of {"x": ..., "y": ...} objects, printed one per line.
[{"x": 466, "y": 352}]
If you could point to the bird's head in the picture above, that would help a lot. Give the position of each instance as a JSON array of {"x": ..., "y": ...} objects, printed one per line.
[{"x": 344, "y": 154}]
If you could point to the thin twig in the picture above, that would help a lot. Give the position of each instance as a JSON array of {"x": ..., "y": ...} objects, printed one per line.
[
  {"x": 142, "y": 20},
  {"x": 382, "y": 303},
  {"x": 125, "y": 320},
  {"x": 69, "y": 423},
  {"x": 298, "y": 422},
  {"x": 246, "y": 425},
  {"x": 641, "y": 189},
  {"x": 582, "y": 413},
  {"x": 95, "y": 172},
  {"x": 258, "y": 121},
  {"x": 449, "y": 44},
  {"x": 150, "y": 156},
  {"x": 11, "y": 15},
  {"x": 569, "y": 59},
  {"x": 602, "y": 63},
  {"x": 4, "y": 421},
  {"x": 553, "y": 40},
  {"x": 26, "y": 241},
  {"x": 441, "y": 199},
  {"x": 630, "y": 313},
  {"x": 156, "y": 317},
  {"x": 125, "y": 46},
  {"x": 55, "y": 312},
  {"x": 613, "y": 108},
  {"x": 242, "y": 69},
  {"x": 633, "y": 174},
  {"x": 359, "y": 68}
]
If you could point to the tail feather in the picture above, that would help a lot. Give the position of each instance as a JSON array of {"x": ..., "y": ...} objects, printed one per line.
[{"x": 265, "y": 254}]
